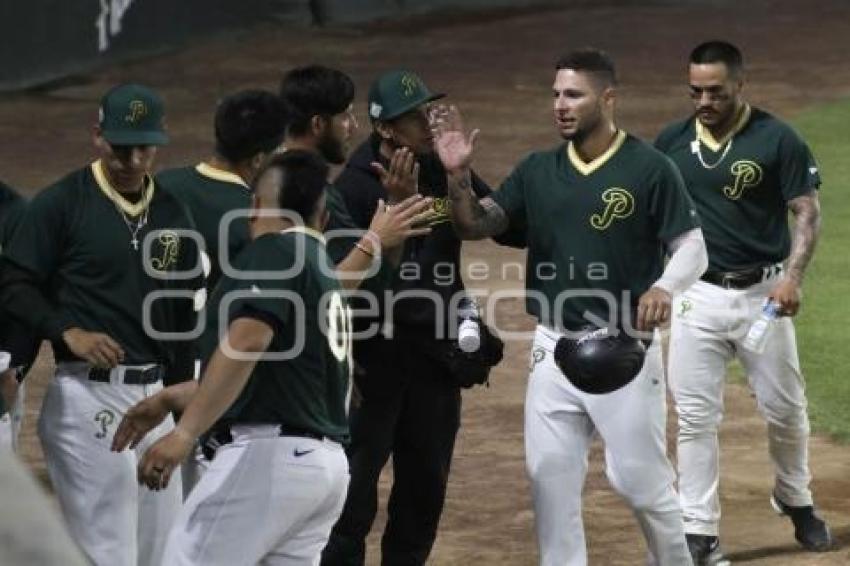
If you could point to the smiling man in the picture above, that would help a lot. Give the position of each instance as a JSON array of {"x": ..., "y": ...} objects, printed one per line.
[
  {"x": 600, "y": 197},
  {"x": 745, "y": 170}
]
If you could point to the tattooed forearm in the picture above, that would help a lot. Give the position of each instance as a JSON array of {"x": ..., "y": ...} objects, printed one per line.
[
  {"x": 807, "y": 220},
  {"x": 474, "y": 219}
]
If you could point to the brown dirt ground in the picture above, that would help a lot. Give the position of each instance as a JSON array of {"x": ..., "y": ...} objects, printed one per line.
[{"x": 498, "y": 68}]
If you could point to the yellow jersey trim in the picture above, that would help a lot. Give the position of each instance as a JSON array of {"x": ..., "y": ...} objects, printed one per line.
[
  {"x": 127, "y": 207},
  {"x": 217, "y": 174},
  {"x": 305, "y": 230},
  {"x": 588, "y": 168},
  {"x": 706, "y": 137}
]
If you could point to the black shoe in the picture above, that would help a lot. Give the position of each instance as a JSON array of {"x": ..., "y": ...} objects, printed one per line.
[
  {"x": 809, "y": 529},
  {"x": 705, "y": 550}
]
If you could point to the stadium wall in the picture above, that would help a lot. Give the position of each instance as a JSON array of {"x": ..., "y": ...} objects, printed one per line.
[{"x": 46, "y": 40}]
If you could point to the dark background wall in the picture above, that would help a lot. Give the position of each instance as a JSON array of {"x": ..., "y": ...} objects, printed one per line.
[{"x": 45, "y": 40}]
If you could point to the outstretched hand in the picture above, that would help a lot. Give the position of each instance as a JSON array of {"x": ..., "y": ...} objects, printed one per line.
[
  {"x": 394, "y": 224},
  {"x": 142, "y": 417},
  {"x": 454, "y": 145},
  {"x": 401, "y": 179}
]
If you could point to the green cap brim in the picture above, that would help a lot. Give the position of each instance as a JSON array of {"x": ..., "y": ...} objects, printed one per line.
[
  {"x": 413, "y": 104},
  {"x": 136, "y": 138}
]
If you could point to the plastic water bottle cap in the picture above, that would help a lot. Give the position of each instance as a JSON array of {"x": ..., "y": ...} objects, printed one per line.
[{"x": 468, "y": 336}]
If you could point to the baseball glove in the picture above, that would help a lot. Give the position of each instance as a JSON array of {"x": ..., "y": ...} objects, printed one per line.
[
  {"x": 600, "y": 361},
  {"x": 468, "y": 369}
]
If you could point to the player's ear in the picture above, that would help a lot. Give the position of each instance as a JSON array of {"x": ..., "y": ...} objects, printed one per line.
[
  {"x": 609, "y": 95},
  {"x": 97, "y": 138},
  {"x": 739, "y": 81},
  {"x": 318, "y": 124}
]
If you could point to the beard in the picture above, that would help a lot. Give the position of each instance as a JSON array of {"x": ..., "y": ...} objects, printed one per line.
[
  {"x": 331, "y": 148},
  {"x": 587, "y": 126}
]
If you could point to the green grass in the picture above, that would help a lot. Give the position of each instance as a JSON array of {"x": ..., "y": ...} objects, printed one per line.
[{"x": 823, "y": 325}]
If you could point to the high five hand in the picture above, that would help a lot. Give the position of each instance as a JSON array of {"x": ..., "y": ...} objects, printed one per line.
[{"x": 454, "y": 145}]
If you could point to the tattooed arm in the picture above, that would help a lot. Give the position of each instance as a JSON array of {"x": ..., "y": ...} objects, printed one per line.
[
  {"x": 807, "y": 221},
  {"x": 473, "y": 218}
]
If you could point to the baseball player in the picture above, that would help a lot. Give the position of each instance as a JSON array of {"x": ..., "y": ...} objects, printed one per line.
[
  {"x": 320, "y": 118},
  {"x": 602, "y": 209},
  {"x": 278, "y": 378},
  {"x": 744, "y": 169},
  {"x": 88, "y": 253},
  {"x": 249, "y": 125},
  {"x": 318, "y": 100},
  {"x": 17, "y": 345}
]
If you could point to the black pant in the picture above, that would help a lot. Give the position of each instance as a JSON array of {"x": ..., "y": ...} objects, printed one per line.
[{"x": 410, "y": 409}]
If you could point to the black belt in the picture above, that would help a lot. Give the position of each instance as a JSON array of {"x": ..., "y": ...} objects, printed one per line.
[
  {"x": 286, "y": 430},
  {"x": 221, "y": 435},
  {"x": 132, "y": 376},
  {"x": 741, "y": 279}
]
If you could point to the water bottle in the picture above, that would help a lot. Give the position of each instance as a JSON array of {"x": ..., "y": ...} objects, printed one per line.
[
  {"x": 759, "y": 332},
  {"x": 469, "y": 331}
]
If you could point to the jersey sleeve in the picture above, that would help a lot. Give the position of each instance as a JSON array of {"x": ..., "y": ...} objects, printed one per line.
[
  {"x": 798, "y": 171},
  {"x": 514, "y": 236},
  {"x": 37, "y": 242},
  {"x": 671, "y": 208},
  {"x": 511, "y": 194},
  {"x": 479, "y": 187},
  {"x": 269, "y": 297}
]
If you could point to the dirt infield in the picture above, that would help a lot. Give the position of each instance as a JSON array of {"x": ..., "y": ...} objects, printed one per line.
[{"x": 499, "y": 70}]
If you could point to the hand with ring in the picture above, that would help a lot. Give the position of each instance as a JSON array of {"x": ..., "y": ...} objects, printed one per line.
[{"x": 160, "y": 460}]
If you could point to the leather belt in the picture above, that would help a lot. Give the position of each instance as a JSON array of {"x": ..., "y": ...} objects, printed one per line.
[
  {"x": 128, "y": 375},
  {"x": 221, "y": 435},
  {"x": 743, "y": 279},
  {"x": 286, "y": 430}
]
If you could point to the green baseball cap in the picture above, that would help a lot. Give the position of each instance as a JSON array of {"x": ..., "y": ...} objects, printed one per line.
[
  {"x": 397, "y": 92},
  {"x": 132, "y": 114}
]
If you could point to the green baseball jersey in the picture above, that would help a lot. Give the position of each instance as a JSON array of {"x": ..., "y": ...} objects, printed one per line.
[
  {"x": 209, "y": 193},
  {"x": 741, "y": 185},
  {"x": 596, "y": 231},
  {"x": 81, "y": 241},
  {"x": 308, "y": 386}
]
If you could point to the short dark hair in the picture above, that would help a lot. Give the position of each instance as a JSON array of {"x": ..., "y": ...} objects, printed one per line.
[
  {"x": 304, "y": 176},
  {"x": 590, "y": 60},
  {"x": 718, "y": 52},
  {"x": 314, "y": 91},
  {"x": 247, "y": 123}
]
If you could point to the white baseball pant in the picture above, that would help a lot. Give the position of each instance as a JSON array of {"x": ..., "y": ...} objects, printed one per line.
[
  {"x": 264, "y": 499},
  {"x": 709, "y": 325},
  {"x": 560, "y": 422},
  {"x": 114, "y": 520}
]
